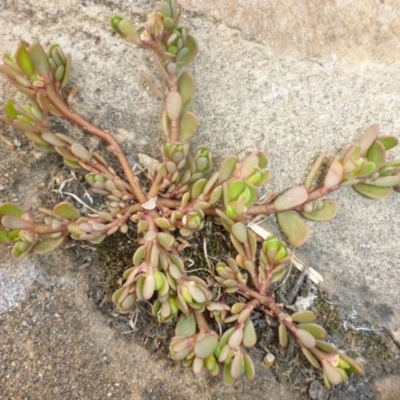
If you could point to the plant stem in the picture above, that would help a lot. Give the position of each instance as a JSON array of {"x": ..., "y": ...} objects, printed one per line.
[
  {"x": 202, "y": 323},
  {"x": 59, "y": 103},
  {"x": 43, "y": 229}
]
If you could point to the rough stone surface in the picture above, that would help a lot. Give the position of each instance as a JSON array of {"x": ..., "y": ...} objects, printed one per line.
[
  {"x": 354, "y": 31},
  {"x": 280, "y": 93}
]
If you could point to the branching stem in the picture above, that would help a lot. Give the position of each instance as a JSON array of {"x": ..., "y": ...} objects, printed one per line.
[{"x": 72, "y": 116}]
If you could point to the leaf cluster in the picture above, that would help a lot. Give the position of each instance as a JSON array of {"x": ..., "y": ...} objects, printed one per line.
[{"x": 184, "y": 193}]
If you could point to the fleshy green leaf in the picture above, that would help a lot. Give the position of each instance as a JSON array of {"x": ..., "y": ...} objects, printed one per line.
[
  {"x": 227, "y": 168},
  {"x": 66, "y": 210},
  {"x": 304, "y": 316},
  {"x": 39, "y": 59},
  {"x": 48, "y": 245},
  {"x": 206, "y": 346},
  {"x": 283, "y": 335},
  {"x": 187, "y": 126},
  {"x": 328, "y": 211},
  {"x": 317, "y": 331},
  {"x": 24, "y": 62},
  {"x": 376, "y": 154},
  {"x": 388, "y": 142},
  {"x": 186, "y": 86},
  {"x": 374, "y": 192},
  {"x": 249, "y": 334},
  {"x": 310, "y": 357},
  {"x": 227, "y": 377},
  {"x": 193, "y": 47},
  {"x": 186, "y": 326},
  {"x": 294, "y": 227},
  {"x": 386, "y": 181},
  {"x": 10, "y": 209}
]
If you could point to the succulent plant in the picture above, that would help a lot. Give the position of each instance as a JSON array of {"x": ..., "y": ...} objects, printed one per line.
[{"x": 184, "y": 192}]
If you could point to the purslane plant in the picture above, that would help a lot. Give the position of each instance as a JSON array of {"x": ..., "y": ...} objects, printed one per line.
[{"x": 182, "y": 194}]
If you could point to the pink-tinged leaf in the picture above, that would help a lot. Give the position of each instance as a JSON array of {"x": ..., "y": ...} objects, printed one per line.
[
  {"x": 53, "y": 139},
  {"x": 236, "y": 365},
  {"x": 305, "y": 338},
  {"x": 332, "y": 373},
  {"x": 328, "y": 211},
  {"x": 374, "y": 192},
  {"x": 239, "y": 231},
  {"x": 10, "y": 209},
  {"x": 173, "y": 105},
  {"x": 334, "y": 175},
  {"x": 13, "y": 222},
  {"x": 248, "y": 166},
  {"x": 368, "y": 138},
  {"x": 66, "y": 210},
  {"x": 48, "y": 245},
  {"x": 294, "y": 227},
  {"x": 80, "y": 152},
  {"x": 235, "y": 339},
  {"x": 291, "y": 198},
  {"x": 149, "y": 287}
]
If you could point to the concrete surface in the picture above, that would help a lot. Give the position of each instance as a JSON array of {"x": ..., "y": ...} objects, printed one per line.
[{"x": 277, "y": 90}]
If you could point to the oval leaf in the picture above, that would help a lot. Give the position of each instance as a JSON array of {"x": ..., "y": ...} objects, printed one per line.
[
  {"x": 48, "y": 245},
  {"x": 294, "y": 227},
  {"x": 187, "y": 126},
  {"x": 373, "y": 192},
  {"x": 186, "y": 325},
  {"x": 328, "y": 211},
  {"x": 334, "y": 175},
  {"x": 376, "y": 154},
  {"x": 291, "y": 198},
  {"x": 66, "y": 210},
  {"x": 10, "y": 209},
  {"x": 368, "y": 138},
  {"x": 206, "y": 346}
]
